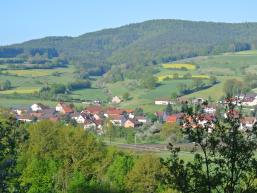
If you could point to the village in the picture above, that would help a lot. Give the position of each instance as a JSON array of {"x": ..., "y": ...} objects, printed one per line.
[{"x": 94, "y": 115}]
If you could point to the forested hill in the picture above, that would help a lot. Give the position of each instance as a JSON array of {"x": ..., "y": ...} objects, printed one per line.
[{"x": 144, "y": 43}]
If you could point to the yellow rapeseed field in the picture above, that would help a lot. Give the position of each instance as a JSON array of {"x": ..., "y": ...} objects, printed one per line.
[
  {"x": 179, "y": 66},
  {"x": 20, "y": 91}
]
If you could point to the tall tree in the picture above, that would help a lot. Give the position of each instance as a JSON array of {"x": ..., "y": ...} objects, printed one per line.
[
  {"x": 226, "y": 163},
  {"x": 9, "y": 138}
]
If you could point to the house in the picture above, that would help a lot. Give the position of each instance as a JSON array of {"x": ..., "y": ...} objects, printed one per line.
[
  {"x": 250, "y": 99},
  {"x": 38, "y": 107},
  {"x": 116, "y": 120},
  {"x": 64, "y": 108},
  {"x": 131, "y": 123},
  {"x": 248, "y": 122},
  {"x": 232, "y": 114},
  {"x": 25, "y": 118},
  {"x": 81, "y": 119},
  {"x": 113, "y": 111},
  {"x": 141, "y": 119},
  {"x": 94, "y": 109},
  {"x": 209, "y": 109},
  {"x": 163, "y": 102},
  {"x": 116, "y": 100},
  {"x": 171, "y": 119},
  {"x": 197, "y": 101},
  {"x": 89, "y": 125}
]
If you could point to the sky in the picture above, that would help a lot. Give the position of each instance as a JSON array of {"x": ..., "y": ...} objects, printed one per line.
[{"x": 23, "y": 20}]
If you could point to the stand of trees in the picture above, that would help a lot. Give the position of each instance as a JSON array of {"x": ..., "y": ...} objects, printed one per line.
[
  {"x": 5, "y": 85},
  {"x": 225, "y": 161}
]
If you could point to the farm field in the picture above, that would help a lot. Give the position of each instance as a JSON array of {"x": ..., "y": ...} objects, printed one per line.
[{"x": 179, "y": 66}]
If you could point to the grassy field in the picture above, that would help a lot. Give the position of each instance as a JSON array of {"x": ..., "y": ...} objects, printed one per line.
[{"x": 224, "y": 66}]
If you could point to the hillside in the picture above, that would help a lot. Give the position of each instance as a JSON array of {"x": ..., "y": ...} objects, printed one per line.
[{"x": 150, "y": 42}]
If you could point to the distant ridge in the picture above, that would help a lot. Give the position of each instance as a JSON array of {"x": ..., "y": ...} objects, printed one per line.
[{"x": 146, "y": 43}]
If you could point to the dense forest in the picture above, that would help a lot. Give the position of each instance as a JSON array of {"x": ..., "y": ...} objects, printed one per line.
[{"x": 146, "y": 43}]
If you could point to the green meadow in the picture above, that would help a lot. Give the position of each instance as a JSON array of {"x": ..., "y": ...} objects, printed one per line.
[{"x": 223, "y": 67}]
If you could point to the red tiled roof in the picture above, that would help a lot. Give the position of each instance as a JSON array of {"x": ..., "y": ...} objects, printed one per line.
[
  {"x": 114, "y": 111},
  {"x": 171, "y": 119},
  {"x": 115, "y": 117},
  {"x": 94, "y": 109}
]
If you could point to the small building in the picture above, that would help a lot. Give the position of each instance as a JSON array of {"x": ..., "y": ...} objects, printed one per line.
[
  {"x": 248, "y": 122},
  {"x": 198, "y": 101},
  {"x": 250, "y": 99},
  {"x": 209, "y": 109},
  {"x": 38, "y": 107},
  {"x": 141, "y": 119},
  {"x": 171, "y": 119},
  {"x": 130, "y": 123},
  {"x": 64, "y": 108},
  {"x": 116, "y": 100},
  {"x": 116, "y": 120},
  {"x": 25, "y": 118},
  {"x": 163, "y": 102},
  {"x": 89, "y": 125},
  {"x": 113, "y": 111}
]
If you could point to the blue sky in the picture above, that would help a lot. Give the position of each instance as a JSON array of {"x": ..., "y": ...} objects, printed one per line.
[{"x": 23, "y": 20}]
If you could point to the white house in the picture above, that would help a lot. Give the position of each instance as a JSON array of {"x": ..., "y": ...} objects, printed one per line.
[
  {"x": 116, "y": 100},
  {"x": 37, "y": 107},
  {"x": 209, "y": 110},
  {"x": 81, "y": 119},
  {"x": 163, "y": 102}
]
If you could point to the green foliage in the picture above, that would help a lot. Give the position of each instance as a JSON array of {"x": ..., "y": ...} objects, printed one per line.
[
  {"x": 54, "y": 152},
  {"x": 143, "y": 178},
  {"x": 118, "y": 170},
  {"x": 149, "y": 82},
  {"x": 233, "y": 87},
  {"x": 126, "y": 96},
  {"x": 79, "y": 85},
  {"x": 147, "y": 43},
  {"x": 226, "y": 162},
  {"x": 169, "y": 109},
  {"x": 171, "y": 133},
  {"x": 10, "y": 137},
  {"x": 6, "y": 85}
]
